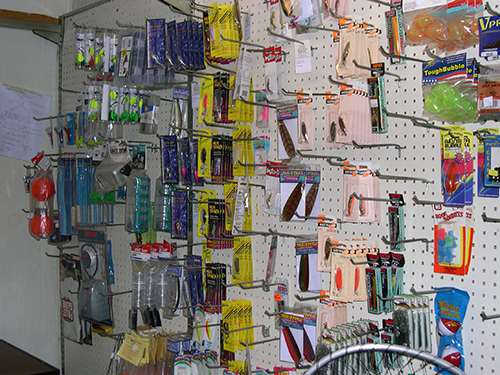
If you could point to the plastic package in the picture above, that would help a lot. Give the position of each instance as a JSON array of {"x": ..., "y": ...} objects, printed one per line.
[
  {"x": 162, "y": 210},
  {"x": 41, "y": 192},
  {"x": 140, "y": 257},
  {"x": 137, "y": 202},
  {"x": 450, "y": 308},
  {"x": 448, "y": 93},
  {"x": 149, "y": 114},
  {"x": 442, "y": 28}
]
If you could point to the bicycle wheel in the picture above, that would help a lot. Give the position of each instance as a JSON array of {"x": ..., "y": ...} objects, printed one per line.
[{"x": 359, "y": 359}]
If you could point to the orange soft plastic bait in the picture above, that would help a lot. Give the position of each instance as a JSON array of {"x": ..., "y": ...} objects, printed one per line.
[
  {"x": 423, "y": 20},
  {"x": 415, "y": 34}
]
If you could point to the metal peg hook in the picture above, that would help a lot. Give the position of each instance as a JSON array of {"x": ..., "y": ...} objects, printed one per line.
[
  {"x": 361, "y": 198},
  {"x": 293, "y": 93},
  {"x": 405, "y": 178},
  {"x": 178, "y": 11},
  {"x": 261, "y": 342},
  {"x": 490, "y": 10},
  {"x": 363, "y": 262},
  {"x": 283, "y": 36},
  {"x": 379, "y": 71},
  {"x": 313, "y": 156},
  {"x": 398, "y": 147},
  {"x": 213, "y": 124},
  {"x": 340, "y": 164},
  {"x": 280, "y": 234},
  {"x": 418, "y": 201},
  {"x": 421, "y": 292},
  {"x": 205, "y": 325},
  {"x": 124, "y": 25},
  {"x": 272, "y": 313},
  {"x": 381, "y": 3},
  {"x": 248, "y": 183},
  {"x": 393, "y": 55},
  {"x": 307, "y": 27},
  {"x": 115, "y": 293},
  {"x": 189, "y": 244},
  {"x": 313, "y": 217},
  {"x": 335, "y": 15},
  {"x": 242, "y": 42},
  {"x": 330, "y": 78},
  {"x": 389, "y": 298},
  {"x": 483, "y": 314},
  {"x": 488, "y": 219},
  {"x": 242, "y": 329},
  {"x": 432, "y": 55},
  {"x": 257, "y": 103},
  {"x": 300, "y": 298},
  {"x": 219, "y": 67},
  {"x": 425, "y": 240}
]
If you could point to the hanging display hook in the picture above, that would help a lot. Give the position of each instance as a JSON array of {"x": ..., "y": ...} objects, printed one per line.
[
  {"x": 394, "y": 56},
  {"x": 432, "y": 55},
  {"x": 488, "y": 317},
  {"x": 312, "y": 298},
  {"x": 404, "y": 178},
  {"x": 425, "y": 240},
  {"x": 330, "y": 78},
  {"x": 423, "y": 202},
  {"x": 421, "y": 292},
  {"x": 313, "y": 156},
  {"x": 379, "y": 71},
  {"x": 242, "y": 42},
  {"x": 488, "y": 219},
  {"x": 283, "y": 36}
]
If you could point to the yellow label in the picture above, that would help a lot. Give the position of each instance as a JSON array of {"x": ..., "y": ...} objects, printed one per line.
[{"x": 132, "y": 350}]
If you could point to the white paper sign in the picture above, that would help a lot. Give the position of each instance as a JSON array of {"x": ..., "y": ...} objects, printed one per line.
[
  {"x": 20, "y": 134},
  {"x": 303, "y": 57}
]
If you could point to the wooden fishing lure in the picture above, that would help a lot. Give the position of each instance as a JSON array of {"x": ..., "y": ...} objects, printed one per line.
[
  {"x": 327, "y": 251},
  {"x": 286, "y": 139},
  {"x": 291, "y": 344},
  {"x": 345, "y": 53},
  {"x": 311, "y": 196},
  {"x": 304, "y": 273},
  {"x": 292, "y": 203}
]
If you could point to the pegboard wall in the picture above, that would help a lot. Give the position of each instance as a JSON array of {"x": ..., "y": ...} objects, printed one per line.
[{"x": 420, "y": 157}]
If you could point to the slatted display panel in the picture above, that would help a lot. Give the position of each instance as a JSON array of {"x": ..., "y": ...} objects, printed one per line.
[{"x": 420, "y": 158}]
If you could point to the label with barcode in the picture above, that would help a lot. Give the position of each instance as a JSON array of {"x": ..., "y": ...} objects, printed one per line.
[{"x": 488, "y": 102}]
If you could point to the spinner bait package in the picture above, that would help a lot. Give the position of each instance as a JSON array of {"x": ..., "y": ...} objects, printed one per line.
[
  {"x": 179, "y": 212},
  {"x": 272, "y": 194},
  {"x": 396, "y": 222},
  {"x": 155, "y": 43},
  {"x": 305, "y": 123},
  {"x": 450, "y": 307},
  {"x": 169, "y": 159},
  {"x": 359, "y": 185},
  {"x": 327, "y": 234},
  {"x": 332, "y": 120}
]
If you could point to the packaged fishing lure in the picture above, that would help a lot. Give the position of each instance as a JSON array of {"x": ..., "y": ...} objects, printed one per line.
[
  {"x": 332, "y": 120},
  {"x": 202, "y": 222},
  {"x": 261, "y": 150},
  {"x": 327, "y": 234},
  {"x": 450, "y": 307},
  {"x": 169, "y": 159},
  {"x": 482, "y": 189},
  {"x": 305, "y": 123},
  {"x": 340, "y": 278},
  {"x": 292, "y": 185},
  {"x": 453, "y": 167},
  {"x": 291, "y": 337},
  {"x": 272, "y": 193},
  {"x": 288, "y": 132},
  {"x": 360, "y": 184},
  {"x": 179, "y": 215},
  {"x": 396, "y": 222},
  {"x": 185, "y": 168},
  {"x": 308, "y": 278},
  {"x": 395, "y": 31}
]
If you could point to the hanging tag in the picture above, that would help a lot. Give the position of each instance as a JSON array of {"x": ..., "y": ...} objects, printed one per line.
[{"x": 303, "y": 57}]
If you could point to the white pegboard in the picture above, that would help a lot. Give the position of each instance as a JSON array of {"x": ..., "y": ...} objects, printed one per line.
[{"x": 420, "y": 158}]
